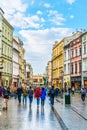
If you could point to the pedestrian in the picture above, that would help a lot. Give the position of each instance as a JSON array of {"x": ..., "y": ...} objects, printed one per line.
[
  {"x": 56, "y": 92},
  {"x": 83, "y": 94},
  {"x": 2, "y": 89},
  {"x": 37, "y": 95},
  {"x": 19, "y": 93},
  {"x": 73, "y": 90},
  {"x": 52, "y": 95},
  {"x": 30, "y": 95},
  {"x": 6, "y": 97},
  {"x": 8, "y": 88},
  {"x": 43, "y": 96},
  {"x": 25, "y": 93},
  {"x": 15, "y": 92}
]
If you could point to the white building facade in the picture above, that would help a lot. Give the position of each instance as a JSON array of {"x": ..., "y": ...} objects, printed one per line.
[
  {"x": 66, "y": 65},
  {"x": 16, "y": 71}
]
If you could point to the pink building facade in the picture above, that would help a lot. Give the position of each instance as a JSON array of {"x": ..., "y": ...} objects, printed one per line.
[{"x": 75, "y": 61}]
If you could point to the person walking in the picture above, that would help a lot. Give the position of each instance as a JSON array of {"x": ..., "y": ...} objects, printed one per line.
[
  {"x": 37, "y": 95},
  {"x": 83, "y": 94},
  {"x": 43, "y": 96},
  {"x": 25, "y": 93},
  {"x": 73, "y": 90},
  {"x": 19, "y": 93},
  {"x": 30, "y": 95},
  {"x": 56, "y": 92},
  {"x": 52, "y": 95},
  {"x": 6, "y": 97},
  {"x": 15, "y": 92}
]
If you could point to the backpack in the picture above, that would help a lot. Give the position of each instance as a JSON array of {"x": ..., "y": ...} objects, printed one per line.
[
  {"x": 83, "y": 91},
  {"x": 52, "y": 92},
  {"x": 30, "y": 92}
]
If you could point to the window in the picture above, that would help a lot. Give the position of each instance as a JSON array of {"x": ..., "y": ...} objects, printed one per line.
[
  {"x": 68, "y": 54},
  {"x": 72, "y": 53},
  {"x": 80, "y": 67},
  {"x": 84, "y": 48},
  {"x": 75, "y": 67},
  {"x": 84, "y": 38},
  {"x": 76, "y": 52},
  {"x": 71, "y": 68},
  {"x": 80, "y": 51},
  {"x": 65, "y": 55},
  {"x": 68, "y": 68},
  {"x": 65, "y": 68}
]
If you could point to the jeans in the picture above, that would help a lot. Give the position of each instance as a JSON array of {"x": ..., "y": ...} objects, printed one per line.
[
  {"x": 19, "y": 98},
  {"x": 42, "y": 102},
  {"x": 38, "y": 101},
  {"x": 52, "y": 100},
  {"x": 30, "y": 100},
  {"x": 15, "y": 95},
  {"x": 24, "y": 99}
]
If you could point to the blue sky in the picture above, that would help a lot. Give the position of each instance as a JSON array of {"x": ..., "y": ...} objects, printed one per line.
[{"x": 39, "y": 23}]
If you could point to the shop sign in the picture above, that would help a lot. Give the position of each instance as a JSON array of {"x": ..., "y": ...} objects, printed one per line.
[
  {"x": 85, "y": 78},
  {"x": 75, "y": 78}
]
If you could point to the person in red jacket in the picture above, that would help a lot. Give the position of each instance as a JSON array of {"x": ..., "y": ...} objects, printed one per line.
[{"x": 37, "y": 95}]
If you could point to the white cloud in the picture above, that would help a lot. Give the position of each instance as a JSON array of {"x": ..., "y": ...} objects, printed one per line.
[
  {"x": 16, "y": 15},
  {"x": 40, "y": 40},
  {"x": 10, "y": 7},
  {"x": 39, "y": 12},
  {"x": 71, "y": 16},
  {"x": 55, "y": 17},
  {"x": 47, "y": 5},
  {"x": 71, "y": 1},
  {"x": 39, "y": 44},
  {"x": 21, "y": 21}
]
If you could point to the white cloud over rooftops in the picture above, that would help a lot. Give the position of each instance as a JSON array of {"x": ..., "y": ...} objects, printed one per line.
[
  {"x": 39, "y": 41},
  {"x": 39, "y": 44}
]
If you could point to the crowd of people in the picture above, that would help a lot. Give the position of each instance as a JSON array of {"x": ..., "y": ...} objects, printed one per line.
[{"x": 26, "y": 93}]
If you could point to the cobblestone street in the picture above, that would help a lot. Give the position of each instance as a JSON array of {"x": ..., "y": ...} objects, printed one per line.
[{"x": 20, "y": 117}]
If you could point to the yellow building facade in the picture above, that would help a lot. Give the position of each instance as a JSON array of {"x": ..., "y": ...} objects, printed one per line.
[{"x": 57, "y": 64}]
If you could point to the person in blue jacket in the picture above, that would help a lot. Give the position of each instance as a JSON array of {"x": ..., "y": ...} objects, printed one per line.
[
  {"x": 19, "y": 93},
  {"x": 52, "y": 95},
  {"x": 43, "y": 96}
]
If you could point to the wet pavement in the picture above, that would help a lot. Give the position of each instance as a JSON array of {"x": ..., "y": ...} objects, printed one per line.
[
  {"x": 73, "y": 116},
  {"x": 21, "y": 117}
]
